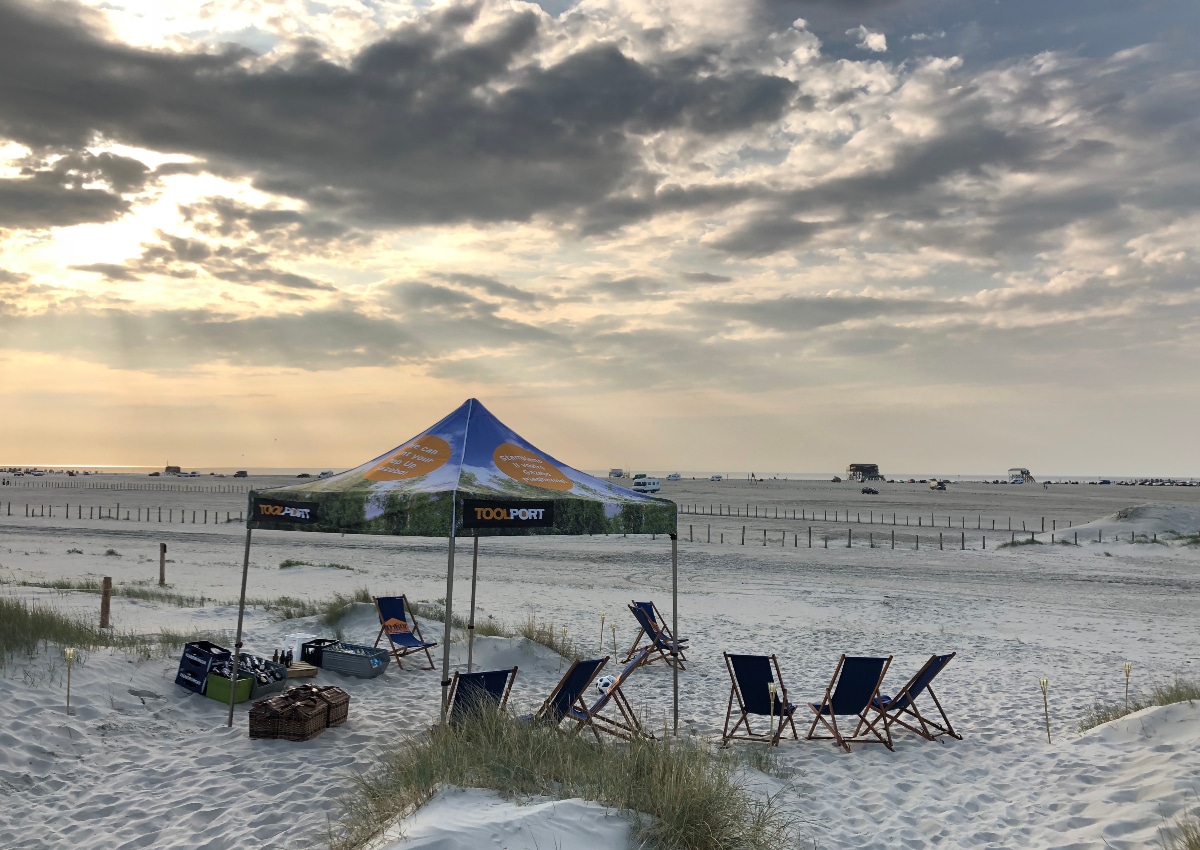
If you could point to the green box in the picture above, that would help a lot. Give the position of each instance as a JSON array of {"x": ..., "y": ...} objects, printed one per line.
[{"x": 218, "y": 688}]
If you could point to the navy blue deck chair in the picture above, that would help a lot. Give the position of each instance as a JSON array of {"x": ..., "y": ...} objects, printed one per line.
[
  {"x": 751, "y": 677},
  {"x": 403, "y": 633},
  {"x": 903, "y": 704},
  {"x": 627, "y": 727},
  {"x": 568, "y": 691},
  {"x": 471, "y": 691},
  {"x": 851, "y": 693},
  {"x": 654, "y": 627}
]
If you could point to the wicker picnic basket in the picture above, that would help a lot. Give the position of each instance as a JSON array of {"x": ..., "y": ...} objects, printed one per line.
[
  {"x": 266, "y": 716},
  {"x": 333, "y": 696},
  {"x": 303, "y": 720}
]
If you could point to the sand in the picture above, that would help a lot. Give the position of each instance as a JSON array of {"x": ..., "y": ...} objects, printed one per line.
[{"x": 143, "y": 764}]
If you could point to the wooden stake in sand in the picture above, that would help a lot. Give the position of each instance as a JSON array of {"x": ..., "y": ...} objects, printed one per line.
[
  {"x": 1128, "y": 670},
  {"x": 105, "y": 601},
  {"x": 602, "y": 615},
  {"x": 70, "y": 654},
  {"x": 162, "y": 564},
  {"x": 1045, "y": 683}
]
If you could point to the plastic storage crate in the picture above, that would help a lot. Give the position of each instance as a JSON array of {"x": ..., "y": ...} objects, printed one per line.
[
  {"x": 218, "y": 688},
  {"x": 259, "y": 690},
  {"x": 365, "y": 662},
  {"x": 195, "y": 662},
  {"x": 311, "y": 651}
]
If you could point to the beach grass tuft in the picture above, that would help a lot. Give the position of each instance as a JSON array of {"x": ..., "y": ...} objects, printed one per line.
[
  {"x": 25, "y": 628},
  {"x": 1181, "y": 690},
  {"x": 1013, "y": 543},
  {"x": 678, "y": 794},
  {"x": 292, "y": 562},
  {"x": 1184, "y": 834},
  {"x": 545, "y": 633}
]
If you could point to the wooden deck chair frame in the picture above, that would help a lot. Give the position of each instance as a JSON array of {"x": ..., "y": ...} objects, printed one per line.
[
  {"x": 787, "y": 710},
  {"x": 628, "y": 727},
  {"x": 541, "y": 714},
  {"x": 929, "y": 729},
  {"x": 512, "y": 676},
  {"x": 664, "y": 636},
  {"x": 399, "y": 652},
  {"x": 829, "y": 721}
]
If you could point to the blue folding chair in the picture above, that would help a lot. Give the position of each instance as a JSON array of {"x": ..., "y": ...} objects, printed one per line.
[
  {"x": 751, "y": 678},
  {"x": 662, "y": 642},
  {"x": 903, "y": 703},
  {"x": 628, "y": 727},
  {"x": 851, "y": 693},
  {"x": 568, "y": 691},
  {"x": 403, "y": 633},
  {"x": 472, "y": 691}
]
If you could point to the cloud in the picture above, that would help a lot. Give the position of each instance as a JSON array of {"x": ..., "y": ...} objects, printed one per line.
[
  {"x": 876, "y": 42},
  {"x": 427, "y": 125}
]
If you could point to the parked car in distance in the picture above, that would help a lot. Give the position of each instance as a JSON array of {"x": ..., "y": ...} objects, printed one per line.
[
  {"x": 645, "y": 484},
  {"x": 304, "y": 475},
  {"x": 156, "y": 475},
  {"x": 715, "y": 478},
  {"x": 674, "y": 476},
  {"x": 870, "y": 491},
  {"x": 241, "y": 473}
]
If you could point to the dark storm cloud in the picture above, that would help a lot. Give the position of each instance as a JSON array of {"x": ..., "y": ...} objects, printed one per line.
[
  {"x": 706, "y": 277},
  {"x": 493, "y": 287},
  {"x": 422, "y": 126},
  {"x": 185, "y": 258},
  {"x": 804, "y": 313},
  {"x": 64, "y": 193}
]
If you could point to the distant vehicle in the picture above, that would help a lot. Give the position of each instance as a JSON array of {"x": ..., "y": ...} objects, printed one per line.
[
  {"x": 326, "y": 474},
  {"x": 193, "y": 474},
  {"x": 1102, "y": 481},
  {"x": 646, "y": 484},
  {"x": 674, "y": 476},
  {"x": 715, "y": 478},
  {"x": 241, "y": 473},
  {"x": 934, "y": 484},
  {"x": 870, "y": 491},
  {"x": 639, "y": 475},
  {"x": 616, "y": 472},
  {"x": 304, "y": 475},
  {"x": 836, "y": 479},
  {"x": 156, "y": 475}
]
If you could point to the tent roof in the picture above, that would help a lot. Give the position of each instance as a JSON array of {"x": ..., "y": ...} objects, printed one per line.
[{"x": 471, "y": 456}]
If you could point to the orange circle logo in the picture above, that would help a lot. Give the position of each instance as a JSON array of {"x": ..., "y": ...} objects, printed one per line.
[
  {"x": 529, "y": 468},
  {"x": 412, "y": 460}
]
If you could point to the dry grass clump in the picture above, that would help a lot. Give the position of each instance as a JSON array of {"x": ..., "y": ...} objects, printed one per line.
[
  {"x": 678, "y": 795},
  {"x": 550, "y": 636},
  {"x": 136, "y": 590},
  {"x": 1183, "y": 835},
  {"x": 328, "y": 612},
  {"x": 26, "y": 628},
  {"x": 1013, "y": 543},
  {"x": 1181, "y": 690}
]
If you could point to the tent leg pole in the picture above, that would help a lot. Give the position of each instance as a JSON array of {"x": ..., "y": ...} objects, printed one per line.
[
  {"x": 449, "y": 619},
  {"x": 237, "y": 642},
  {"x": 471, "y": 621},
  {"x": 675, "y": 623}
]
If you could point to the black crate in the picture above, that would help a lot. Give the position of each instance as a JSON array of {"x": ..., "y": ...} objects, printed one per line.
[
  {"x": 206, "y": 653},
  {"x": 311, "y": 652},
  {"x": 192, "y": 676},
  {"x": 195, "y": 662}
]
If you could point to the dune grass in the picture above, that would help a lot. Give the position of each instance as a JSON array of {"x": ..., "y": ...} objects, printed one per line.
[
  {"x": 548, "y": 635},
  {"x": 1184, "y": 834},
  {"x": 328, "y": 612},
  {"x": 1181, "y": 690},
  {"x": 292, "y": 562},
  {"x": 25, "y": 628},
  {"x": 136, "y": 590},
  {"x": 678, "y": 795},
  {"x": 1013, "y": 543}
]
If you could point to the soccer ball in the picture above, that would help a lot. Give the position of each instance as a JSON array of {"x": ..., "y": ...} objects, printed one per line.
[{"x": 604, "y": 683}]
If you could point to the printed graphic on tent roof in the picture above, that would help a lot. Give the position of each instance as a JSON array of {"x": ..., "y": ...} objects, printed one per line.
[
  {"x": 412, "y": 460},
  {"x": 529, "y": 468}
]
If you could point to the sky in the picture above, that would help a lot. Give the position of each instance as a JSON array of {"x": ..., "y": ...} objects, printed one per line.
[{"x": 771, "y": 235}]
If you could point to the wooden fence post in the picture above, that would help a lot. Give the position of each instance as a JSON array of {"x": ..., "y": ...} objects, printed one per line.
[
  {"x": 105, "y": 601},
  {"x": 162, "y": 564}
]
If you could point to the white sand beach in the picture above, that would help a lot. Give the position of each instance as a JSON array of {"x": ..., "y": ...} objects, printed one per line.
[{"x": 140, "y": 763}]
